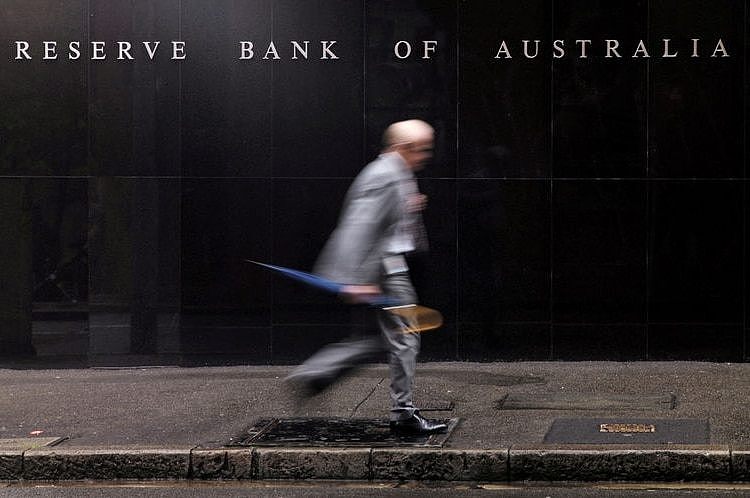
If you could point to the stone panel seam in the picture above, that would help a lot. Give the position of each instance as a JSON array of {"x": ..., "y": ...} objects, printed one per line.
[
  {"x": 190, "y": 472},
  {"x": 254, "y": 465},
  {"x": 740, "y": 473},
  {"x": 225, "y": 463},
  {"x": 507, "y": 464}
]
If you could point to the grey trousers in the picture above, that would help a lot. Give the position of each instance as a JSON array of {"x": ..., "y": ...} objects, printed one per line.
[{"x": 402, "y": 348}]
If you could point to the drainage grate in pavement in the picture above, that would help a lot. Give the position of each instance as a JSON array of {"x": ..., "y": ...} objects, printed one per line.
[
  {"x": 583, "y": 401},
  {"x": 28, "y": 443},
  {"x": 628, "y": 431},
  {"x": 334, "y": 432}
]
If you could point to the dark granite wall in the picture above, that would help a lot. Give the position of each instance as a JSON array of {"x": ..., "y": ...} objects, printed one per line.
[{"x": 581, "y": 208}]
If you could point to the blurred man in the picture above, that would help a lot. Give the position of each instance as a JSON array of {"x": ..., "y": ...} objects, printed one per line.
[{"x": 380, "y": 222}]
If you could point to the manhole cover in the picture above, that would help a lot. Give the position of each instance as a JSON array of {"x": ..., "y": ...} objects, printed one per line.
[
  {"x": 28, "y": 443},
  {"x": 578, "y": 401},
  {"x": 334, "y": 432},
  {"x": 628, "y": 431}
]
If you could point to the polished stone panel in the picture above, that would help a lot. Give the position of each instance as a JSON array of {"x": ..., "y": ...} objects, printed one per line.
[
  {"x": 585, "y": 342},
  {"x": 202, "y": 344},
  {"x": 401, "y": 87},
  {"x": 227, "y": 104},
  {"x": 60, "y": 225},
  {"x": 686, "y": 342},
  {"x": 224, "y": 222},
  {"x": 492, "y": 341},
  {"x": 60, "y": 265},
  {"x": 133, "y": 114},
  {"x": 134, "y": 265},
  {"x": 695, "y": 116},
  {"x": 440, "y": 344},
  {"x": 434, "y": 272},
  {"x": 599, "y": 251},
  {"x": 505, "y": 103},
  {"x": 696, "y": 252},
  {"x": 15, "y": 272},
  {"x": 305, "y": 212},
  {"x": 599, "y": 102},
  {"x": 318, "y": 128},
  {"x": 44, "y": 123},
  {"x": 503, "y": 251}
]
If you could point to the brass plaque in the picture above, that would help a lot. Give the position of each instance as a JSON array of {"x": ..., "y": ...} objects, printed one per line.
[{"x": 627, "y": 428}]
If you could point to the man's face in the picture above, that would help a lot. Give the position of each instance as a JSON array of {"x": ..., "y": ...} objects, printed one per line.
[{"x": 418, "y": 153}]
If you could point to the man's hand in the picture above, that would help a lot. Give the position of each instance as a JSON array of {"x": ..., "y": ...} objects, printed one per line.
[{"x": 356, "y": 294}]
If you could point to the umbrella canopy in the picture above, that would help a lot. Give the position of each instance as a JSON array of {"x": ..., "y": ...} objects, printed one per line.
[{"x": 321, "y": 283}]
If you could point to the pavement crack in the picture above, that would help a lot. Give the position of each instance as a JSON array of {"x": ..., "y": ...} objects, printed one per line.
[{"x": 372, "y": 391}]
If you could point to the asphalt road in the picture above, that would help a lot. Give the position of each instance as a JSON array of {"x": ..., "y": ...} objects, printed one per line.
[{"x": 291, "y": 490}]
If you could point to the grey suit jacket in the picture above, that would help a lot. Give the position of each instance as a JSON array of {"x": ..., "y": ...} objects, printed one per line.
[{"x": 373, "y": 209}]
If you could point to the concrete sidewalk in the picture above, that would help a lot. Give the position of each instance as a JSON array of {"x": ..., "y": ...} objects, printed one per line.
[{"x": 173, "y": 423}]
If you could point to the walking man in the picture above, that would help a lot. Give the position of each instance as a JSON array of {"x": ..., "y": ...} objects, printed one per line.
[{"x": 380, "y": 223}]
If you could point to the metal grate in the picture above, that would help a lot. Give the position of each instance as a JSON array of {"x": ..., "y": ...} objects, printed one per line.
[{"x": 334, "y": 432}]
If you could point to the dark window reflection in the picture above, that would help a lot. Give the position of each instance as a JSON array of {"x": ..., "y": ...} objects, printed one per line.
[
  {"x": 59, "y": 224},
  {"x": 60, "y": 252}
]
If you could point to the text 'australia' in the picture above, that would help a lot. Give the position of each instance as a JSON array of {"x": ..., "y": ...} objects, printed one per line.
[{"x": 665, "y": 48}]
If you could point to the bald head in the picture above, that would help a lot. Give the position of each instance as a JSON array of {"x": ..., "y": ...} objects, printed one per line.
[
  {"x": 406, "y": 132},
  {"x": 412, "y": 139}
]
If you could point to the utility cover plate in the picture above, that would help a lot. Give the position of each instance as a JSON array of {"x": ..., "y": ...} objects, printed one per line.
[
  {"x": 583, "y": 401},
  {"x": 334, "y": 432},
  {"x": 628, "y": 431}
]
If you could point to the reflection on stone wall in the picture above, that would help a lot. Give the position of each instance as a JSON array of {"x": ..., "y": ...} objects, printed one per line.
[
  {"x": 15, "y": 270},
  {"x": 134, "y": 267}
]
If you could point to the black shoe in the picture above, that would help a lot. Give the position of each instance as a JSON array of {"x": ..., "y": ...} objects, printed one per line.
[{"x": 417, "y": 424}]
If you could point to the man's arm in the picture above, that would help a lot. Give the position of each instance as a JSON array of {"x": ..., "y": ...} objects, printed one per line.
[{"x": 356, "y": 244}]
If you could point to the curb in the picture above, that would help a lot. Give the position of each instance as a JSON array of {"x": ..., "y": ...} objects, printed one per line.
[
  {"x": 711, "y": 463},
  {"x": 516, "y": 463},
  {"x": 67, "y": 465}
]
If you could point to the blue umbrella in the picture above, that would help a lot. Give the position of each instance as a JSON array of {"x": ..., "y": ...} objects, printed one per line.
[{"x": 321, "y": 283}]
